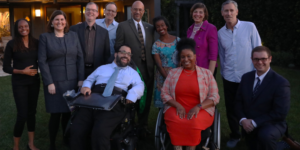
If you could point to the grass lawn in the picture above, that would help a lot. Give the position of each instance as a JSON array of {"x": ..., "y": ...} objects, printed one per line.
[{"x": 8, "y": 116}]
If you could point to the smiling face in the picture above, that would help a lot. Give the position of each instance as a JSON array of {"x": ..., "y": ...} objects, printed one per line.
[
  {"x": 59, "y": 23},
  {"x": 110, "y": 11},
  {"x": 122, "y": 58},
  {"x": 137, "y": 10},
  {"x": 198, "y": 15},
  {"x": 261, "y": 62},
  {"x": 230, "y": 12},
  {"x": 23, "y": 28},
  {"x": 91, "y": 13},
  {"x": 187, "y": 59},
  {"x": 161, "y": 27}
]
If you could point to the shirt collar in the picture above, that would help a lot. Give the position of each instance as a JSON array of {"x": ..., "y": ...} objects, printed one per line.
[
  {"x": 113, "y": 23},
  {"x": 237, "y": 24},
  {"x": 135, "y": 22},
  {"x": 261, "y": 77},
  {"x": 94, "y": 25},
  {"x": 115, "y": 65}
]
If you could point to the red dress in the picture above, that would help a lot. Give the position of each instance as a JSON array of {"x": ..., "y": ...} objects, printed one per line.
[{"x": 185, "y": 132}]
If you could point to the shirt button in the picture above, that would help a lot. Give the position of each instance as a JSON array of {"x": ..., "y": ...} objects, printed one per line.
[
  {"x": 199, "y": 38},
  {"x": 197, "y": 46}
]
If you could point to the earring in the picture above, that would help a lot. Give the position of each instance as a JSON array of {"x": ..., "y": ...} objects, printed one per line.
[{"x": 51, "y": 25}]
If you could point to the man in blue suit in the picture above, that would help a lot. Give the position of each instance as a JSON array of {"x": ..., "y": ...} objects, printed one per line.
[{"x": 262, "y": 102}]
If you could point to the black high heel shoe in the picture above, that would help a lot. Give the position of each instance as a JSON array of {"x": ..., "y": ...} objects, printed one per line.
[{"x": 28, "y": 148}]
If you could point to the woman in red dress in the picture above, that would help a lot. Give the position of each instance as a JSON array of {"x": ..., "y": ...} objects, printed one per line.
[{"x": 190, "y": 94}]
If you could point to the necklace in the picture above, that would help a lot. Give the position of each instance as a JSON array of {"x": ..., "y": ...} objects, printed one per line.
[
  {"x": 197, "y": 27},
  {"x": 189, "y": 73}
]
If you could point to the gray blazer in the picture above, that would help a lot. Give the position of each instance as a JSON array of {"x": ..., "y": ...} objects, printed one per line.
[
  {"x": 57, "y": 65},
  {"x": 127, "y": 34}
]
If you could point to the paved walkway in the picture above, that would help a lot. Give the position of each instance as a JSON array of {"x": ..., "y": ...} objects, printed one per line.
[{"x": 2, "y": 73}]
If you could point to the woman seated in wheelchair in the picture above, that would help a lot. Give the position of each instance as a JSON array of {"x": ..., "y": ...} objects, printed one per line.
[{"x": 190, "y": 94}]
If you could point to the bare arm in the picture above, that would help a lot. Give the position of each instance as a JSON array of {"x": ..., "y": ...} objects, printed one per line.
[{"x": 159, "y": 66}]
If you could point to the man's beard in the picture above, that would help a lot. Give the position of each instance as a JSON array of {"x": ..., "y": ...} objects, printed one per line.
[{"x": 120, "y": 63}]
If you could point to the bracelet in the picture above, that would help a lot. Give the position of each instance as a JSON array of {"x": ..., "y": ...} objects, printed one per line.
[{"x": 200, "y": 106}]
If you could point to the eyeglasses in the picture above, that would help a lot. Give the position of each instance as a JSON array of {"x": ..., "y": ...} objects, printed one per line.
[
  {"x": 258, "y": 59},
  {"x": 125, "y": 53},
  {"x": 93, "y": 10}
]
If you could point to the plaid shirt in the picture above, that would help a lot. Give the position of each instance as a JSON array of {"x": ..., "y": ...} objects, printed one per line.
[{"x": 208, "y": 88}]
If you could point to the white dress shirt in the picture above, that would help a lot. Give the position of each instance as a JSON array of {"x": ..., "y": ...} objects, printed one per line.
[
  {"x": 261, "y": 78},
  {"x": 142, "y": 28},
  {"x": 126, "y": 76},
  {"x": 235, "y": 49}
]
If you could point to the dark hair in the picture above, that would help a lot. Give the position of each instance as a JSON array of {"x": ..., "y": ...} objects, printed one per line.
[
  {"x": 53, "y": 15},
  {"x": 200, "y": 5},
  {"x": 117, "y": 48},
  {"x": 158, "y": 18},
  {"x": 185, "y": 43},
  {"x": 113, "y": 3},
  {"x": 261, "y": 49},
  {"x": 18, "y": 41}
]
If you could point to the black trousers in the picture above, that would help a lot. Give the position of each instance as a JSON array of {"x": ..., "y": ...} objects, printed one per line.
[
  {"x": 230, "y": 89},
  {"x": 149, "y": 81},
  {"x": 264, "y": 137},
  {"x": 26, "y": 97},
  {"x": 97, "y": 123},
  {"x": 53, "y": 126}
]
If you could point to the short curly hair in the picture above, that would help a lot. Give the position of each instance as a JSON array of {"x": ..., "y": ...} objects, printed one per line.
[
  {"x": 185, "y": 43},
  {"x": 158, "y": 18}
]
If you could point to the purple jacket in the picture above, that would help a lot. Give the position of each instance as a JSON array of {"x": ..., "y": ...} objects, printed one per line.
[{"x": 206, "y": 43}]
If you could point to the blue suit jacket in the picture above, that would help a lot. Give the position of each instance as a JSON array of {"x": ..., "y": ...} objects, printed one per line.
[{"x": 271, "y": 103}]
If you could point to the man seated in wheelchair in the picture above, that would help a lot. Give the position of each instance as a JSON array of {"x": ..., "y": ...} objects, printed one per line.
[
  {"x": 190, "y": 94},
  {"x": 110, "y": 79}
]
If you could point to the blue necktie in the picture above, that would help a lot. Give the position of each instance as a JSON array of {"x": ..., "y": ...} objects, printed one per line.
[
  {"x": 111, "y": 83},
  {"x": 256, "y": 86}
]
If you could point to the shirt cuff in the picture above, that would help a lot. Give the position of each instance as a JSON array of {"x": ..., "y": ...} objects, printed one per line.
[
  {"x": 86, "y": 84},
  {"x": 131, "y": 97},
  {"x": 254, "y": 124},
  {"x": 242, "y": 120}
]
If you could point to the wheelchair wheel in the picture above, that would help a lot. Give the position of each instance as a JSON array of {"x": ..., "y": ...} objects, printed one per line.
[
  {"x": 217, "y": 130},
  {"x": 162, "y": 138}
]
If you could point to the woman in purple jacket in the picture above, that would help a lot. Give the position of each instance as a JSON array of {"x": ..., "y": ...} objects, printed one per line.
[{"x": 206, "y": 38}]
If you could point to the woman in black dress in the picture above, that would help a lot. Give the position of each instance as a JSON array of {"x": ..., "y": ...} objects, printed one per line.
[
  {"x": 61, "y": 64},
  {"x": 23, "y": 51}
]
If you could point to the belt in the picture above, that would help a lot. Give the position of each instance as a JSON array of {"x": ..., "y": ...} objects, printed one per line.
[{"x": 88, "y": 65}]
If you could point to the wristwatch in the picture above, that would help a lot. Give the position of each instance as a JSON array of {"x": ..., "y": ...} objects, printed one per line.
[{"x": 200, "y": 106}]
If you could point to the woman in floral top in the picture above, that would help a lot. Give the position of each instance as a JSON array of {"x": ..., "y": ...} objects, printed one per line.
[{"x": 164, "y": 52}]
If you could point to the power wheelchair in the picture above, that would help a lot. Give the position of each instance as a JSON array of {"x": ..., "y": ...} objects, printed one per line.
[
  {"x": 125, "y": 135},
  {"x": 210, "y": 138}
]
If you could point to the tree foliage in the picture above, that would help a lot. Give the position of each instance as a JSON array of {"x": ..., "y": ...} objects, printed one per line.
[{"x": 277, "y": 21}]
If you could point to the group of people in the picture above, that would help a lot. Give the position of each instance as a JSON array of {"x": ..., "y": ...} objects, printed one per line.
[{"x": 96, "y": 56}]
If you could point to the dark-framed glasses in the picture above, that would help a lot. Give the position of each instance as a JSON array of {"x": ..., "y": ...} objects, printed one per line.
[
  {"x": 125, "y": 53},
  {"x": 259, "y": 59},
  {"x": 91, "y": 10}
]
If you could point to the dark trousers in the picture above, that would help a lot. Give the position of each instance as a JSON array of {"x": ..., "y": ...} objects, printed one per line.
[
  {"x": 215, "y": 73},
  {"x": 230, "y": 89},
  {"x": 97, "y": 123},
  {"x": 88, "y": 71},
  {"x": 149, "y": 81},
  {"x": 53, "y": 127},
  {"x": 26, "y": 97},
  {"x": 264, "y": 137}
]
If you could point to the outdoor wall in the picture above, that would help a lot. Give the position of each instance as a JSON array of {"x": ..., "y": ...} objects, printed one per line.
[{"x": 38, "y": 23}]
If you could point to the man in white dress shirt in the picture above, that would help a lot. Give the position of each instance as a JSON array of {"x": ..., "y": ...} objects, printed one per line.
[
  {"x": 101, "y": 123},
  {"x": 236, "y": 41}
]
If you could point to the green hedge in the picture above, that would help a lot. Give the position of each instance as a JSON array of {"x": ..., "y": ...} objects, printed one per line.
[{"x": 277, "y": 21}]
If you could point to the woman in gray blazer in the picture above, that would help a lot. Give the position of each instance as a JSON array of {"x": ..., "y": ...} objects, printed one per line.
[{"x": 61, "y": 63}]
